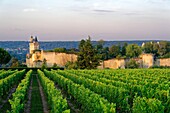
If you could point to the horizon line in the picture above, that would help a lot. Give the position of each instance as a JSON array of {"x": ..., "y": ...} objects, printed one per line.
[{"x": 79, "y": 40}]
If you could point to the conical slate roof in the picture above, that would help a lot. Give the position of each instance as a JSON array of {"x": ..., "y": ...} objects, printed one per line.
[{"x": 36, "y": 40}]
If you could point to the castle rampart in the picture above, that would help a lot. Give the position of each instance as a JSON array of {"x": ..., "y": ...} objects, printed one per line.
[{"x": 36, "y": 58}]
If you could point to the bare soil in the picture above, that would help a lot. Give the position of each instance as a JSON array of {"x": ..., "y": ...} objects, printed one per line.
[
  {"x": 12, "y": 90},
  {"x": 28, "y": 104},
  {"x": 72, "y": 103}
]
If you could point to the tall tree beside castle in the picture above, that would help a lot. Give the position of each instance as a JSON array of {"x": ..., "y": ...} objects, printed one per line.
[
  {"x": 133, "y": 50},
  {"x": 87, "y": 57},
  {"x": 4, "y": 56},
  {"x": 159, "y": 49}
]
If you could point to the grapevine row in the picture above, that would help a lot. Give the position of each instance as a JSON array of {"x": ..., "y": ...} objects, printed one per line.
[
  {"x": 111, "y": 93},
  {"x": 139, "y": 89},
  {"x": 55, "y": 99},
  {"x": 8, "y": 82},
  {"x": 133, "y": 79},
  {"x": 18, "y": 98},
  {"x": 91, "y": 102},
  {"x": 144, "y": 105},
  {"x": 142, "y": 91},
  {"x": 4, "y": 74}
]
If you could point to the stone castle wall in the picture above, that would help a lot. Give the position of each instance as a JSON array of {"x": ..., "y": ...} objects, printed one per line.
[
  {"x": 36, "y": 57},
  {"x": 63, "y": 58},
  {"x": 113, "y": 64},
  {"x": 147, "y": 60},
  {"x": 51, "y": 58},
  {"x": 163, "y": 62}
]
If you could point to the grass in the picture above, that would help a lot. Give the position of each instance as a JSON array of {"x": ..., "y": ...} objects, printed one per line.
[{"x": 36, "y": 102}]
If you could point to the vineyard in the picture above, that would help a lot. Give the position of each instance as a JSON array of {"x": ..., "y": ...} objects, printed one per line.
[{"x": 85, "y": 91}]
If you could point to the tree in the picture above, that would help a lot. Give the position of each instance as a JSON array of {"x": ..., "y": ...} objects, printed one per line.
[
  {"x": 44, "y": 64},
  {"x": 5, "y": 57},
  {"x": 123, "y": 51},
  {"x": 148, "y": 47},
  {"x": 158, "y": 49},
  {"x": 71, "y": 65},
  {"x": 15, "y": 63},
  {"x": 155, "y": 49},
  {"x": 133, "y": 50},
  {"x": 87, "y": 56},
  {"x": 60, "y": 50},
  {"x": 114, "y": 51},
  {"x": 164, "y": 48},
  {"x": 55, "y": 66},
  {"x": 103, "y": 52},
  {"x": 132, "y": 64}
]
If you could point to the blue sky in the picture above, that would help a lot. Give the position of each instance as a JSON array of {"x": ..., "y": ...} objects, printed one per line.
[{"x": 76, "y": 19}]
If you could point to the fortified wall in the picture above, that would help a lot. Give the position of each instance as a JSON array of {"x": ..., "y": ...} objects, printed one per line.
[
  {"x": 163, "y": 62},
  {"x": 58, "y": 58},
  {"x": 36, "y": 58},
  {"x": 144, "y": 60},
  {"x": 113, "y": 64}
]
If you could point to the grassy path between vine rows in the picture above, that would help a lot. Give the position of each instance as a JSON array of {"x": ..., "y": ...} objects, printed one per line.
[
  {"x": 44, "y": 99},
  {"x": 28, "y": 104},
  {"x": 36, "y": 101}
]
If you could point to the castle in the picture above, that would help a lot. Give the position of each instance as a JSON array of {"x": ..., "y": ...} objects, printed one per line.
[{"x": 37, "y": 57}]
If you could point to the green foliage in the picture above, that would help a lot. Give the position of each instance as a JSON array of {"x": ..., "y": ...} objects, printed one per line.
[
  {"x": 132, "y": 64},
  {"x": 55, "y": 99},
  {"x": 55, "y": 66},
  {"x": 87, "y": 57},
  {"x": 114, "y": 94},
  {"x": 164, "y": 48},
  {"x": 103, "y": 52},
  {"x": 90, "y": 101},
  {"x": 43, "y": 67},
  {"x": 4, "y": 74},
  {"x": 123, "y": 50},
  {"x": 18, "y": 98},
  {"x": 148, "y": 47},
  {"x": 160, "y": 49},
  {"x": 133, "y": 50},
  {"x": 64, "y": 50},
  {"x": 60, "y": 50},
  {"x": 95, "y": 91},
  {"x": 15, "y": 63},
  {"x": 144, "y": 105},
  {"x": 71, "y": 65},
  {"x": 4, "y": 56},
  {"x": 36, "y": 99},
  {"x": 44, "y": 64},
  {"x": 8, "y": 82},
  {"x": 114, "y": 51},
  {"x": 140, "y": 82}
]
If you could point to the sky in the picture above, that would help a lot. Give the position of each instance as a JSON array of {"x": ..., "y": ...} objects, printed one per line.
[{"x": 73, "y": 20}]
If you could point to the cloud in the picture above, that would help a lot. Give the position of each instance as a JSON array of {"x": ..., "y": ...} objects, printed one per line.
[
  {"x": 18, "y": 29},
  {"x": 103, "y": 11},
  {"x": 29, "y": 10}
]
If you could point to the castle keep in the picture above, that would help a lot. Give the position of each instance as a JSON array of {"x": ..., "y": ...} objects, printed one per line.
[{"x": 36, "y": 57}]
